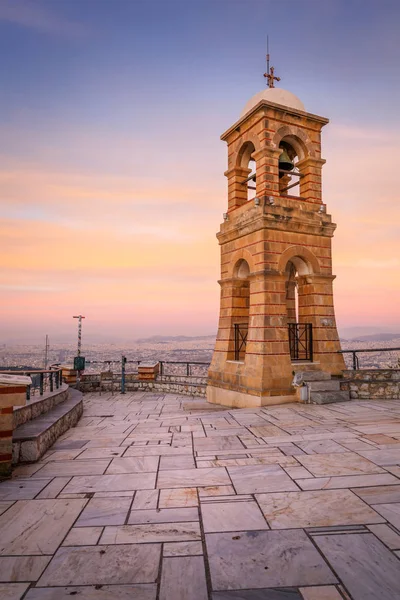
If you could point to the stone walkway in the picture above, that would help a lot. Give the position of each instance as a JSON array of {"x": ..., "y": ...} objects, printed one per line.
[{"x": 165, "y": 497}]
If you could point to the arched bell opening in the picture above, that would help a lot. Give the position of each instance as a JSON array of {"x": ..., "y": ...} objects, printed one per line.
[
  {"x": 299, "y": 329},
  {"x": 240, "y": 310},
  {"x": 293, "y": 151},
  {"x": 246, "y": 161}
]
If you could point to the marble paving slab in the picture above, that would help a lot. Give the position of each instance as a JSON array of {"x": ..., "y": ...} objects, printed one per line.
[
  {"x": 114, "y": 483},
  {"x": 73, "y": 467},
  {"x": 67, "y": 444},
  {"x": 382, "y": 457},
  {"x": 347, "y": 463},
  {"x": 116, "y": 592},
  {"x": 264, "y": 559},
  {"x": 263, "y": 594},
  {"x": 183, "y": 578},
  {"x": 216, "y": 490},
  {"x": 104, "y": 511},
  {"x": 178, "y": 497},
  {"x": 315, "y": 509},
  {"x": 380, "y": 495},
  {"x": 134, "y": 464},
  {"x": 387, "y": 535},
  {"x": 163, "y": 515},
  {"x": 52, "y": 490},
  {"x": 95, "y": 453},
  {"x": 183, "y": 549},
  {"x": 181, "y": 478},
  {"x": 347, "y": 481},
  {"x": 176, "y": 462},
  {"x": 260, "y": 478},
  {"x": 19, "y": 489},
  {"x": 218, "y": 443},
  {"x": 156, "y": 451},
  {"x": 155, "y": 532},
  {"x": 391, "y": 512},
  {"x": 326, "y": 592},
  {"x": 37, "y": 527},
  {"x": 101, "y": 565},
  {"x": 4, "y": 506},
  {"x": 22, "y": 568},
  {"x": 229, "y": 516},
  {"x": 83, "y": 536},
  {"x": 320, "y": 447},
  {"x": 145, "y": 499},
  {"x": 367, "y": 568},
  {"x": 12, "y": 591}
]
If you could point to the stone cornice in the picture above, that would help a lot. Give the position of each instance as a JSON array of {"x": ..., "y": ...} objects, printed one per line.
[
  {"x": 276, "y": 222},
  {"x": 284, "y": 109}
]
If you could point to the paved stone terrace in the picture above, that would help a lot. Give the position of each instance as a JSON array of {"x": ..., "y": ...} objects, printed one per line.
[{"x": 165, "y": 497}]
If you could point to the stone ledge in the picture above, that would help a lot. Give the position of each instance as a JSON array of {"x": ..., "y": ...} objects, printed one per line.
[
  {"x": 38, "y": 406},
  {"x": 32, "y": 439}
]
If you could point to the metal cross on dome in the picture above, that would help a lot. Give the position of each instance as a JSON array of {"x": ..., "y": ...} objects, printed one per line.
[{"x": 271, "y": 77}]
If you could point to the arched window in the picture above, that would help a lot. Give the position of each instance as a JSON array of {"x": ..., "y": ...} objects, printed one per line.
[
  {"x": 299, "y": 329},
  {"x": 240, "y": 306}
]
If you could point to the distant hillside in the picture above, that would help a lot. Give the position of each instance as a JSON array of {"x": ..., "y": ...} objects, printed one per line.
[
  {"x": 164, "y": 339},
  {"x": 377, "y": 337}
]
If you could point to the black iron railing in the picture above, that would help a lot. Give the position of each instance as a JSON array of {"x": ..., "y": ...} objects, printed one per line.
[
  {"x": 240, "y": 331},
  {"x": 301, "y": 341},
  {"x": 355, "y": 351},
  {"x": 43, "y": 380}
]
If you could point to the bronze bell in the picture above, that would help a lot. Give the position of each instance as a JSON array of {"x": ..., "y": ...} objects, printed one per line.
[{"x": 285, "y": 164}]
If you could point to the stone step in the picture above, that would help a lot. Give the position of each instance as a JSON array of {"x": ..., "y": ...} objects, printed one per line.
[
  {"x": 327, "y": 385},
  {"x": 329, "y": 397},
  {"x": 32, "y": 439},
  {"x": 314, "y": 375}
]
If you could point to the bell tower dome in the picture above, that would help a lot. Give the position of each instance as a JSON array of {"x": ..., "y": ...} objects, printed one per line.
[{"x": 276, "y": 309}]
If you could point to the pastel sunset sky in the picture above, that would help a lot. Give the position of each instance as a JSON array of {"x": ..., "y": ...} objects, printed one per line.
[{"x": 111, "y": 166}]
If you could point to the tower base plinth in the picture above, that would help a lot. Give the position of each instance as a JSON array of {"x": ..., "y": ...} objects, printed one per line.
[{"x": 237, "y": 399}]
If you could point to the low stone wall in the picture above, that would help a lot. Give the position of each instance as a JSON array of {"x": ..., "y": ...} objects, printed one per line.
[
  {"x": 172, "y": 384},
  {"x": 39, "y": 405},
  {"x": 32, "y": 439},
  {"x": 372, "y": 383}
]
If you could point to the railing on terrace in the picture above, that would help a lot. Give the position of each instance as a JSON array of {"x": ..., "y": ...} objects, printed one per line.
[
  {"x": 169, "y": 368},
  {"x": 355, "y": 359},
  {"x": 43, "y": 380}
]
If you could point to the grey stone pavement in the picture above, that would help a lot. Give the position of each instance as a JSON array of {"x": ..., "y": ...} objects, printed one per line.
[{"x": 166, "y": 497}]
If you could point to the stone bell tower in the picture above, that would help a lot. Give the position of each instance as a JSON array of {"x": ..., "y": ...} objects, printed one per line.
[{"x": 276, "y": 314}]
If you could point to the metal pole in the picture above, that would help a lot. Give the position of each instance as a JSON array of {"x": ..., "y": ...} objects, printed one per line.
[
  {"x": 79, "y": 317},
  {"x": 46, "y": 352},
  {"x": 123, "y": 374}
]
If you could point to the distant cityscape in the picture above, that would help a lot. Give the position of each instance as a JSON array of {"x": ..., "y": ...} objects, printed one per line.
[{"x": 173, "y": 349}]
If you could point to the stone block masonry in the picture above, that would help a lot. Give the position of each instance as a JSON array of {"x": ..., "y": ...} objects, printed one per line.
[
  {"x": 372, "y": 383},
  {"x": 9, "y": 395}
]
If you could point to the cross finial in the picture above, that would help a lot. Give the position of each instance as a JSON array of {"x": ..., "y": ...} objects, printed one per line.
[{"x": 269, "y": 75}]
